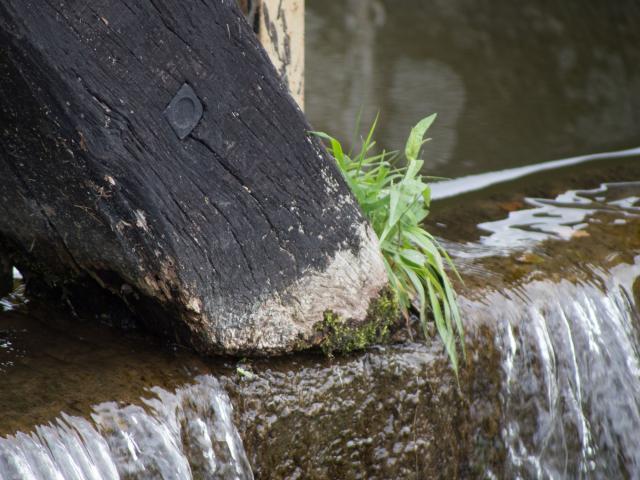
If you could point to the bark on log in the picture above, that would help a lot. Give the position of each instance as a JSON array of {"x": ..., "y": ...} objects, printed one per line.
[{"x": 236, "y": 239}]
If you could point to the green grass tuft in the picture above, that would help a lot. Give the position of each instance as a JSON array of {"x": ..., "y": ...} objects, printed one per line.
[{"x": 395, "y": 197}]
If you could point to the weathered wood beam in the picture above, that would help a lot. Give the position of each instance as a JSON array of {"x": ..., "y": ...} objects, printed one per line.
[{"x": 151, "y": 149}]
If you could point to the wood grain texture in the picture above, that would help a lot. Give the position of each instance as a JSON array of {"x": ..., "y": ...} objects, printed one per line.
[{"x": 234, "y": 239}]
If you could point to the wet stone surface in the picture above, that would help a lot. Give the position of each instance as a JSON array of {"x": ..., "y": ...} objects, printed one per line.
[{"x": 391, "y": 412}]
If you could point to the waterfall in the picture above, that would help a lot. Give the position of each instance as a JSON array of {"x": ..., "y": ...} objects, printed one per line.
[
  {"x": 181, "y": 435},
  {"x": 571, "y": 376}
]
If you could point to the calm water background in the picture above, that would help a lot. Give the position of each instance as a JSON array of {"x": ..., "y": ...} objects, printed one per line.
[{"x": 513, "y": 83}]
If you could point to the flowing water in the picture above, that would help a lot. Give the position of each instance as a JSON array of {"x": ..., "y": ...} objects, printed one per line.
[
  {"x": 550, "y": 253},
  {"x": 572, "y": 378},
  {"x": 571, "y": 375},
  {"x": 172, "y": 436}
]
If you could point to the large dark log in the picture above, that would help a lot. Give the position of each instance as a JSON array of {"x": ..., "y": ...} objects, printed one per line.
[{"x": 235, "y": 239}]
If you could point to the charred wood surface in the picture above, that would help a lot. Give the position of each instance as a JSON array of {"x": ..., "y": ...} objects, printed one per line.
[{"x": 235, "y": 239}]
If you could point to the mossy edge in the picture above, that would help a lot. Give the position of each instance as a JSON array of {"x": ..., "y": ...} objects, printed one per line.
[{"x": 341, "y": 335}]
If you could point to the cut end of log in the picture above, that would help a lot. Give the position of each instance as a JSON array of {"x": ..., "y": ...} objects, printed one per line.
[{"x": 289, "y": 320}]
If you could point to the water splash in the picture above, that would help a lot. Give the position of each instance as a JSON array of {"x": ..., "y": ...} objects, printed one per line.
[
  {"x": 561, "y": 217},
  {"x": 17, "y": 297},
  {"x": 181, "y": 435},
  {"x": 571, "y": 369}
]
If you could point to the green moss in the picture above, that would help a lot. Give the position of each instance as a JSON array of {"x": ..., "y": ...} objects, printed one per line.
[{"x": 345, "y": 336}]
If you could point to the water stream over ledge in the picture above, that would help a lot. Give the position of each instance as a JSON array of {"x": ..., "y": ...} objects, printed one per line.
[
  {"x": 550, "y": 388},
  {"x": 571, "y": 376},
  {"x": 186, "y": 434}
]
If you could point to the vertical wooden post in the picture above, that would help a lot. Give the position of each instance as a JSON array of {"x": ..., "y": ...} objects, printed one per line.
[
  {"x": 281, "y": 32},
  {"x": 279, "y": 25}
]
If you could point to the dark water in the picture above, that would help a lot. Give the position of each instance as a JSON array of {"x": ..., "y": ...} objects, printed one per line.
[
  {"x": 550, "y": 257},
  {"x": 513, "y": 83}
]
